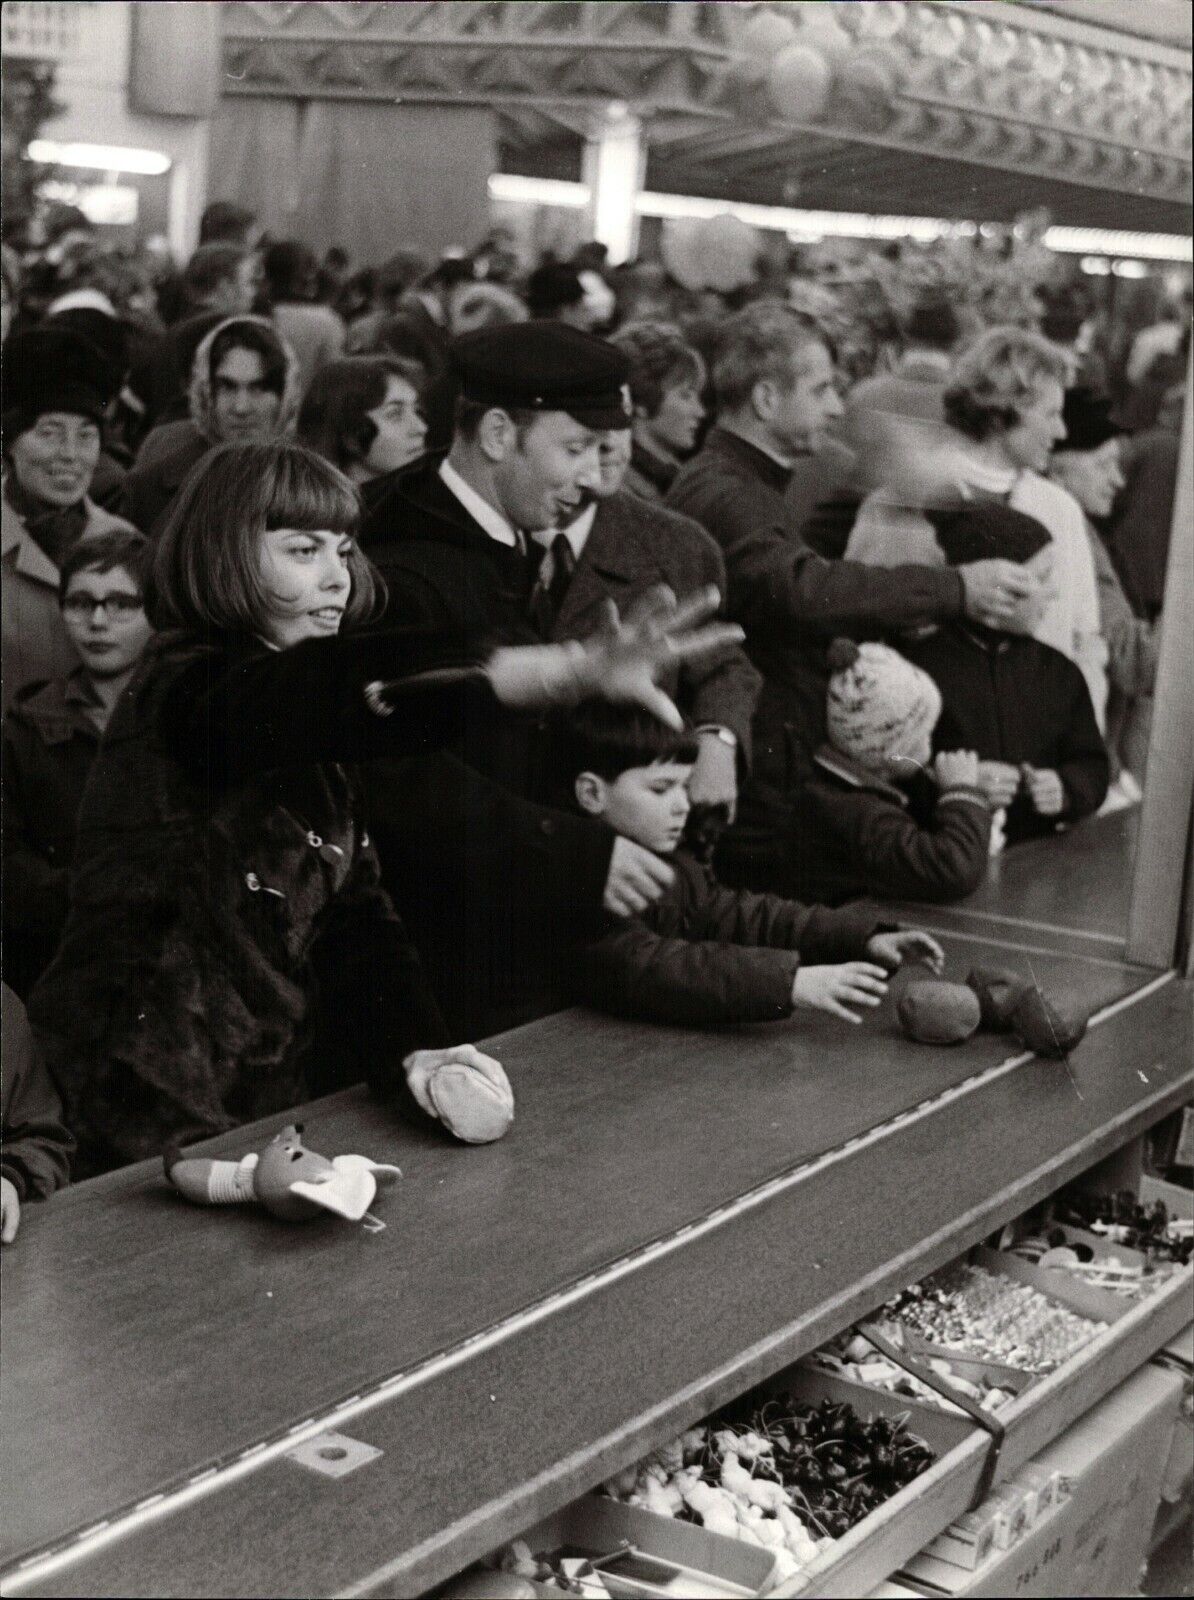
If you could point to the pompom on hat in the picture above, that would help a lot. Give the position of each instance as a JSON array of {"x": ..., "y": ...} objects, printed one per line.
[
  {"x": 983, "y": 530},
  {"x": 879, "y": 704},
  {"x": 54, "y": 369}
]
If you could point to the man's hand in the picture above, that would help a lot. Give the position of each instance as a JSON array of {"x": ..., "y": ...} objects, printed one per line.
[
  {"x": 10, "y": 1211},
  {"x": 853, "y": 983},
  {"x": 996, "y": 590},
  {"x": 714, "y": 780},
  {"x": 622, "y": 661},
  {"x": 999, "y": 781},
  {"x": 637, "y": 878},
  {"x": 956, "y": 769},
  {"x": 891, "y": 950},
  {"x": 1045, "y": 790}
]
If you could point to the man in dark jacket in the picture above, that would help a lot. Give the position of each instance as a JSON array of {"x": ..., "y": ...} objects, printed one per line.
[
  {"x": 776, "y": 391},
  {"x": 451, "y": 536},
  {"x": 619, "y": 548}
]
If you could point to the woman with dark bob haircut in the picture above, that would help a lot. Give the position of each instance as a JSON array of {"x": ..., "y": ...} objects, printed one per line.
[
  {"x": 364, "y": 416},
  {"x": 229, "y": 951}
]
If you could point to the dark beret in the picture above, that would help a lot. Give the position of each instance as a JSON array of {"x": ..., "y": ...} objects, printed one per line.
[
  {"x": 984, "y": 530},
  {"x": 54, "y": 369},
  {"x": 1088, "y": 424},
  {"x": 545, "y": 366}
]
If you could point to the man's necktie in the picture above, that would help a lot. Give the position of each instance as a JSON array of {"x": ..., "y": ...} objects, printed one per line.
[{"x": 547, "y": 598}]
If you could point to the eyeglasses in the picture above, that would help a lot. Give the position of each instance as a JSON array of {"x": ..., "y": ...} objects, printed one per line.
[{"x": 112, "y": 605}]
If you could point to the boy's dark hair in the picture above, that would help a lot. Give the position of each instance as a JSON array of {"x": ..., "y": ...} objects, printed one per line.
[
  {"x": 100, "y": 552},
  {"x": 933, "y": 323},
  {"x": 291, "y": 271},
  {"x": 610, "y": 740}
]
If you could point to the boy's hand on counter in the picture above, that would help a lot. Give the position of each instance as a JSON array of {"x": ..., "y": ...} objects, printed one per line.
[
  {"x": 637, "y": 877},
  {"x": 909, "y": 944},
  {"x": 853, "y": 983},
  {"x": 10, "y": 1211},
  {"x": 1045, "y": 790}
]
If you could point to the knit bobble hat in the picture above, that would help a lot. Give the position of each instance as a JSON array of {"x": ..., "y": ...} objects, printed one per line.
[
  {"x": 985, "y": 530},
  {"x": 54, "y": 369},
  {"x": 879, "y": 704}
]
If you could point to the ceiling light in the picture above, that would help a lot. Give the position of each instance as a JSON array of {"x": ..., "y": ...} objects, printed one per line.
[{"x": 102, "y": 157}]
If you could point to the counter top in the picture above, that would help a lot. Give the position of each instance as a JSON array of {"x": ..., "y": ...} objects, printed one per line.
[{"x": 674, "y": 1215}]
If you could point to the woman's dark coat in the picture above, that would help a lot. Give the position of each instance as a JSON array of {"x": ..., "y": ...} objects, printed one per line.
[
  {"x": 50, "y": 741},
  {"x": 225, "y": 896}
]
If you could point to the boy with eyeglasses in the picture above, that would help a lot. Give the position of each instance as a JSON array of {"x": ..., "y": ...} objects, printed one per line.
[{"x": 51, "y": 734}]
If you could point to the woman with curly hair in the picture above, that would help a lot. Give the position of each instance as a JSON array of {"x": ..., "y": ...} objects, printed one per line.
[
  {"x": 667, "y": 376},
  {"x": 1003, "y": 404}
]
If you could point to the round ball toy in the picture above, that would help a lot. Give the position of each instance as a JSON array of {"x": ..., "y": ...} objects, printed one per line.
[
  {"x": 998, "y": 991},
  {"x": 1047, "y": 1029},
  {"x": 932, "y": 1011}
]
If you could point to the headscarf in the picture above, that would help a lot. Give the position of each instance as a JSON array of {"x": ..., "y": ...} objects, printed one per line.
[{"x": 201, "y": 397}]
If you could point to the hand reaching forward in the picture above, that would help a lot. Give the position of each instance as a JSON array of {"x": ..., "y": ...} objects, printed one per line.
[
  {"x": 853, "y": 983},
  {"x": 622, "y": 661},
  {"x": 891, "y": 950}
]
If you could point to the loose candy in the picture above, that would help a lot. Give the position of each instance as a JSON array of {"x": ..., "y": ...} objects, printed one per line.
[
  {"x": 934, "y": 1012},
  {"x": 998, "y": 992},
  {"x": 1047, "y": 1029}
]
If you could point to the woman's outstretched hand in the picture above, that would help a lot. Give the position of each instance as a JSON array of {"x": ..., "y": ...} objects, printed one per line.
[{"x": 622, "y": 661}]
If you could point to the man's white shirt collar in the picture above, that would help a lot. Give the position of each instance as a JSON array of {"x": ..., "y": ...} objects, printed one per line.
[
  {"x": 576, "y": 532},
  {"x": 479, "y": 509}
]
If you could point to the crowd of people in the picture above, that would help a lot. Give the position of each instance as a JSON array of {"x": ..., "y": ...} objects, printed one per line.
[{"x": 393, "y": 656}]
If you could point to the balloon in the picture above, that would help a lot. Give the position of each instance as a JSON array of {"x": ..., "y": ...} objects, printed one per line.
[
  {"x": 799, "y": 82},
  {"x": 767, "y": 33},
  {"x": 717, "y": 252}
]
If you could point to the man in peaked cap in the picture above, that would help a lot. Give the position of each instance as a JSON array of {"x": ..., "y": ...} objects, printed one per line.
[{"x": 491, "y": 883}]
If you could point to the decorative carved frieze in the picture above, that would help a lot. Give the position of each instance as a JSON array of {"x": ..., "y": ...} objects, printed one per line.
[{"x": 996, "y": 84}]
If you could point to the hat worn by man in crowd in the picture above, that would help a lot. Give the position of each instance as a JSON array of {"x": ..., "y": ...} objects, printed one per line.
[
  {"x": 54, "y": 370},
  {"x": 545, "y": 366}
]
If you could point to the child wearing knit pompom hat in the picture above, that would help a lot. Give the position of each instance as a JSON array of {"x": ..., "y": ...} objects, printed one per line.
[{"x": 880, "y": 817}]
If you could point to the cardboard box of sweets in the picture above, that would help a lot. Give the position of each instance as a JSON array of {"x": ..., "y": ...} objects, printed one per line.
[{"x": 1095, "y": 1541}]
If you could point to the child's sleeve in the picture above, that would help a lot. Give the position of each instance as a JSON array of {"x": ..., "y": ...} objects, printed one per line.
[
  {"x": 768, "y": 921},
  {"x": 35, "y": 1147},
  {"x": 635, "y": 972},
  {"x": 1082, "y": 762},
  {"x": 945, "y": 859}
]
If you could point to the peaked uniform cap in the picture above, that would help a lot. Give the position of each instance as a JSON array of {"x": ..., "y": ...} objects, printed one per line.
[{"x": 545, "y": 366}]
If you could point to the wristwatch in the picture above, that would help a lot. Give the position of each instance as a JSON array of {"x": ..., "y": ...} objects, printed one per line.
[{"x": 719, "y": 732}]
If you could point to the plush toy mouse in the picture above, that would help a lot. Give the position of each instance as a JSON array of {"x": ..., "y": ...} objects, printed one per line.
[{"x": 286, "y": 1178}]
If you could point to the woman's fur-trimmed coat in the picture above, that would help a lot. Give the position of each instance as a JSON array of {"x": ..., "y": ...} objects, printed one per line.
[{"x": 230, "y": 950}]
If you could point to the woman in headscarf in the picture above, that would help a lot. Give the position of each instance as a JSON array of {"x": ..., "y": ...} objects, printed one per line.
[{"x": 245, "y": 389}]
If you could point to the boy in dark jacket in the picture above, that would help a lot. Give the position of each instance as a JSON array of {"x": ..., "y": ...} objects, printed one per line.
[
  {"x": 706, "y": 954},
  {"x": 35, "y": 1147},
  {"x": 879, "y": 816},
  {"x": 1023, "y": 706}
]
